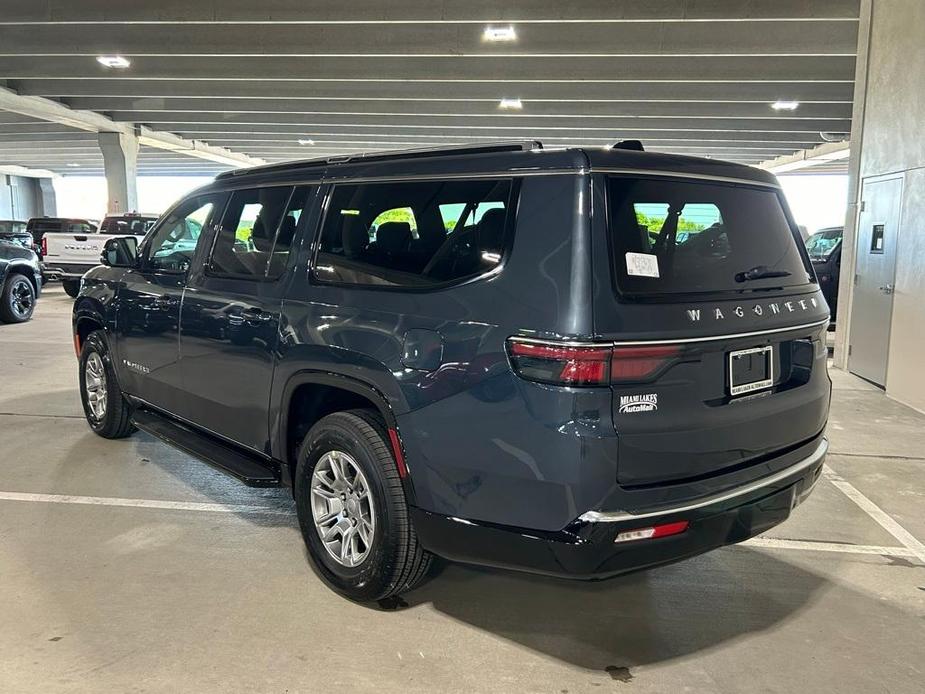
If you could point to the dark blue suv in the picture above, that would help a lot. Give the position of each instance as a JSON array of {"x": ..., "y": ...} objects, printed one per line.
[{"x": 574, "y": 362}]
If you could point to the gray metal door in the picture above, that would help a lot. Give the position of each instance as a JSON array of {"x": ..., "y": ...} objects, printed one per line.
[{"x": 875, "y": 272}]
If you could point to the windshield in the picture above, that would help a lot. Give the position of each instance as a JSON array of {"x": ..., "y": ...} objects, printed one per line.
[
  {"x": 821, "y": 244},
  {"x": 689, "y": 237}
]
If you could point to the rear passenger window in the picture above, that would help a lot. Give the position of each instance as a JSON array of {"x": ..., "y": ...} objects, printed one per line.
[
  {"x": 414, "y": 234},
  {"x": 256, "y": 232}
]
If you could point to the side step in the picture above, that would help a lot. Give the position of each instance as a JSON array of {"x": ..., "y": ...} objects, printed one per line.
[{"x": 248, "y": 468}]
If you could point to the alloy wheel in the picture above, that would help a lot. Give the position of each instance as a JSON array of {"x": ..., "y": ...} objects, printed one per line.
[
  {"x": 22, "y": 297},
  {"x": 95, "y": 385},
  {"x": 342, "y": 508}
]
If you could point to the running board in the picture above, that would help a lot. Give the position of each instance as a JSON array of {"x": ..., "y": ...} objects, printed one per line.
[{"x": 248, "y": 468}]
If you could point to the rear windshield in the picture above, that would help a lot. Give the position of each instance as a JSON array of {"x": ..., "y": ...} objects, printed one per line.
[
  {"x": 127, "y": 225},
  {"x": 12, "y": 227},
  {"x": 683, "y": 237}
]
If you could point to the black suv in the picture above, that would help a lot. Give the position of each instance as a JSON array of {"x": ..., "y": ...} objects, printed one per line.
[{"x": 577, "y": 362}]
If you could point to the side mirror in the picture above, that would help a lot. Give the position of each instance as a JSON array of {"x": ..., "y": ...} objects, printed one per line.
[{"x": 120, "y": 252}]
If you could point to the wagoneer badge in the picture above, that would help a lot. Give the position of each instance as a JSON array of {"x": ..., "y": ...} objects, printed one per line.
[
  {"x": 773, "y": 308},
  {"x": 638, "y": 403}
]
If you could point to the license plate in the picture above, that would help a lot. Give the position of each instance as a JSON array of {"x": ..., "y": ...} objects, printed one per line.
[{"x": 751, "y": 370}]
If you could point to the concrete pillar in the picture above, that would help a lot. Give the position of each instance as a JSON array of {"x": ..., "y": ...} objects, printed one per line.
[
  {"x": 849, "y": 238},
  {"x": 46, "y": 202},
  {"x": 120, "y": 161}
]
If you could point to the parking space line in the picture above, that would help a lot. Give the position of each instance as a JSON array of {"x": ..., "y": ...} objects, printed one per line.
[
  {"x": 886, "y": 521},
  {"x": 141, "y": 503},
  {"x": 213, "y": 507},
  {"x": 842, "y": 548}
]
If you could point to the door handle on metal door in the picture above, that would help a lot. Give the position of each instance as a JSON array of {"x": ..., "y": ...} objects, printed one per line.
[
  {"x": 255, "y": 314},
  {"x": 887, "y": 289}
]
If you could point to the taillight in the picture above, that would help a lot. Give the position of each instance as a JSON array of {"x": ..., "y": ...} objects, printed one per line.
[
  {"x": 587, "y": 365},
  {"x": 44, "y": 246},
  {"x": 652, "y": 532},
  {"x": 640, "y": 363},
  {"x": 564, "y": 365}
]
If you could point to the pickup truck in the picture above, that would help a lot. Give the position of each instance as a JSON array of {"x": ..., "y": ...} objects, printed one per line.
[{"x": 68, "y": 256}]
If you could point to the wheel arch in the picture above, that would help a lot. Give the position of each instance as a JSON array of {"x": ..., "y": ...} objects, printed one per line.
[
  {"x": 19, "y": 268},
  {"x": 310, "y": 395},
  {"x": 86, "y": 319}
]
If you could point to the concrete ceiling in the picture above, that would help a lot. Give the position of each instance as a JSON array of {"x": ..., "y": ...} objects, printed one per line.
[{"x": 687, "y": 76}]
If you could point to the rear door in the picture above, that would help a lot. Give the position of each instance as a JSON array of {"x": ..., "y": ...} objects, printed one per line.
[
  {"x": 719, "y": 358},
  {"x": 230, "y": 318}
]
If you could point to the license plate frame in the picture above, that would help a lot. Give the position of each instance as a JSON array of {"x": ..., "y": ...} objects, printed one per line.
[{"x": 754, "y": 385}]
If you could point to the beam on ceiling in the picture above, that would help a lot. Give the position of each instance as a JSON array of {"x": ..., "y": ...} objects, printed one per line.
[
  {"x": 28, "y": 172},
  {"x": 462, "y": 12},
  {"x": 800, "y": 68},
  {"x": 589, "y": 108},
  {"x": 822, "y": 154},
  {"x": 434, "y": 39},
  {"x": 51, "y": 111},
  {"x": 575, "y": 89},
  {"x": 497, "y": 122}
]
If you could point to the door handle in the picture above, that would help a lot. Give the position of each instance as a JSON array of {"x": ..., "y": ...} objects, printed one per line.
[
  {"x": 255, "y": 314},
  {"x": 887, "y": 289}
]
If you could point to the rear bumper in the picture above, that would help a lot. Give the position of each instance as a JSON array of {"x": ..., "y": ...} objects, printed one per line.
[
  {"x": 66, "y": 271},
  {"x": 585, "y": 549}
]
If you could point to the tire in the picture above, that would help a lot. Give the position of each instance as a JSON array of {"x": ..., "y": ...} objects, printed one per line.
[
  {"x": 17, "y": 299},
  {"x": 71, "y": 287},
  {"x": 110, "y": 415},
  {"x": 394, "y": 561}
]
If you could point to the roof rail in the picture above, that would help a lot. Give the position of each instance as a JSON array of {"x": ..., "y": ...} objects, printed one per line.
[{"x": 446, "y": 151}]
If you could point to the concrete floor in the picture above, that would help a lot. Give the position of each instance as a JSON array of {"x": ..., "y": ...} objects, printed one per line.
[{"x": 126, "y": 566}]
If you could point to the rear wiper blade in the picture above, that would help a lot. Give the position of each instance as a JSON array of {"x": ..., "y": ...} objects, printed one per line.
[{"x": 760, "y": 272}]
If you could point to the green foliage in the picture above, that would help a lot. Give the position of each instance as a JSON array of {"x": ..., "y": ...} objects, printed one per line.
[{"x": 654, "y": 224}]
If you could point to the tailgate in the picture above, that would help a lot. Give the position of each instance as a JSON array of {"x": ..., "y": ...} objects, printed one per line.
[
  {"x": 78, "y": 249},
  {"x": 721, "y": 405}
]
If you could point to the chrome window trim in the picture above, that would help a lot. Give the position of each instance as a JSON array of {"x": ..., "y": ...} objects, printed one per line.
[
  {"x": 676, "y": 341},
  {"x": 620, "y": 516}
]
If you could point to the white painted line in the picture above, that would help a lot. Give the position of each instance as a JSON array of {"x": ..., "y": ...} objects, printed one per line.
[
  {"x": 886, "y": 521},
  {"x": 140, "y": 503},
  {"x": 211, "y": 507},
  {"x": 803, "y": 545}
]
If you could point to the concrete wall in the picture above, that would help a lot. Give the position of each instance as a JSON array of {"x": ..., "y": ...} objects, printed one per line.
[
  {"x": 22, "y": 197},
  {"x": 892, "y": 140}
]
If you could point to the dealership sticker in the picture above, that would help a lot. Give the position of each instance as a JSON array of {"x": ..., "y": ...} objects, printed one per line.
[{"x": 641, "y": 265}]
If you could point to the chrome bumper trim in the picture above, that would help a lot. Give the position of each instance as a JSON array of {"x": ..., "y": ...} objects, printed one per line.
[{"x": 620, "y": 516}]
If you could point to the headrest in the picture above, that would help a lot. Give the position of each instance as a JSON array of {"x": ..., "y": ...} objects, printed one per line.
[
  {"x": 393, "y": 237},
  {"x": 261, "y": 236},
  {"x": 354, "y": 237},
  {"x": 491, "y": 229},
  {"x": 286, "y": 232}
]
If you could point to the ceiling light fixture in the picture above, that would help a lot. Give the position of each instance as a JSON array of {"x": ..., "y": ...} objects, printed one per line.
[
  {"x": 116, "y": 61},
  {"x": 306, "y": 142},
  {"x": 499, "y": 33},
  {"x": 513, "y": 104},
  {"x": 785, "y": 105},
  {"x": 73, "y": 164}
]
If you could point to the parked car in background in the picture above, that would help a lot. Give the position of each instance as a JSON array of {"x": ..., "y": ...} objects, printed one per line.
[
  {"x": 575, "y": 362},
  {"x": 67, "y": 256},
  {"x": 132, "y": 223},
  {"x": 824, "y": 248},
  {"x": 20, "y": 282},
  {"x": 16, "y": 232}
]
